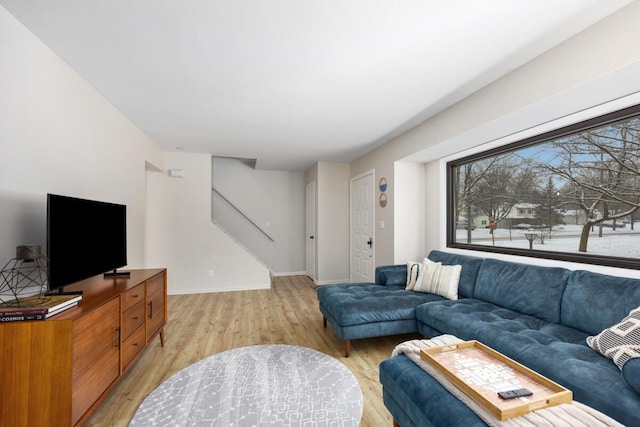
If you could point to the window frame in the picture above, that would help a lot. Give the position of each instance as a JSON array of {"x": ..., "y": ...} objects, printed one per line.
[{"x": 585, "y": 258}]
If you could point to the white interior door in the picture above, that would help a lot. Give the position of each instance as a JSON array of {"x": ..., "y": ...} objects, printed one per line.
[
  {"x": 310, "y": 226},
  {"x": 362, "y": 220}
]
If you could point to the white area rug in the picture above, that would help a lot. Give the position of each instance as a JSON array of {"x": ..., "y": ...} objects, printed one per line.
[{"x": 261, "y": 385}]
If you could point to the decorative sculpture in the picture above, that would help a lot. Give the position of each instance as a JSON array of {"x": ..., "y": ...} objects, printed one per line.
[{"x": 24, "y": 275}]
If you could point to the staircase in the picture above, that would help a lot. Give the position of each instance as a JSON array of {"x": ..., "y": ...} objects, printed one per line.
[{"x": 259, "y": 210}]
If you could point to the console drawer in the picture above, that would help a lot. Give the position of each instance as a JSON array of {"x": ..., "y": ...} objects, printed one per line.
[
  {"x": 132, "y": 346},
  {"x": 132, "y": 318},
  {"x": 133, "y": 296}
]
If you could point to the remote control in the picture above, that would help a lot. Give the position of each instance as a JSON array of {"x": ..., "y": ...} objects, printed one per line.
[{"x": 512, "y": 394}]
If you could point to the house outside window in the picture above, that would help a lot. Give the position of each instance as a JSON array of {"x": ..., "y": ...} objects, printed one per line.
[{"x": 575, "y": 191}]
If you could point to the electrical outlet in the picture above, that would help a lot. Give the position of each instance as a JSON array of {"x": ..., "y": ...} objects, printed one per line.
[{"x": 211, "y": 273}]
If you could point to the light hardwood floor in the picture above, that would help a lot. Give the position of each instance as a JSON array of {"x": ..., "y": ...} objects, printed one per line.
[{"x": 204, "y": 324}]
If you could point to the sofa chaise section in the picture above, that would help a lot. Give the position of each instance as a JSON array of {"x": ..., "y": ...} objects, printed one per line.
[{"x": 367, "y": 310}]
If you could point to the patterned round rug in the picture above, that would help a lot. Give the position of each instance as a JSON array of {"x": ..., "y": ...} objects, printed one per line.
[{"x": 260, "y": 385}]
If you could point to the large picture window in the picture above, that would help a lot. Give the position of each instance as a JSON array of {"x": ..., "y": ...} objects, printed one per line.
[{"x": 572, "y": 194}]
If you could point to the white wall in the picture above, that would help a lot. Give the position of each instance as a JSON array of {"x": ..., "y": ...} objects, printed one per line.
[
  {"x": 410, "y": 202},
  {"x": 58, "y": 135},
  {"x": 197, "y": 246},
  {"x": 158, "y": 226},
  {"x": 332, "y": 237},
  {"x": 596, "y": 67},
  {"x": 275, "y": 201},
  {"x": 435, "y": 204}
]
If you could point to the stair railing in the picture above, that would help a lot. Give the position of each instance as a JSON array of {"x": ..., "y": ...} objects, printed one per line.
[{"x": 244, "y": 214}]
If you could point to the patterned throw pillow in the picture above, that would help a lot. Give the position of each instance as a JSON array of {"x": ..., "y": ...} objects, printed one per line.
[
  {"x": 439, "y": 279},
  {"x": 620, "y": 342},
  {"x": 413, "y": 271}
]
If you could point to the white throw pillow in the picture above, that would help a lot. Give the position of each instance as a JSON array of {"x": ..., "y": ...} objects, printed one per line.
[
  {"x": 413, "y": 271},
  {"x": 620, "y": 342},
  {"x": 439, "y": 279}
]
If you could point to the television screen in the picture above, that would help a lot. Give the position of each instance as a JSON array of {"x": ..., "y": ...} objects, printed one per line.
[{"x": 84, "y": 238}]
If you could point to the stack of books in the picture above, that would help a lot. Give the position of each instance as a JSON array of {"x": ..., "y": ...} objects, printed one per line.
[{"x": 36, "y": 307}]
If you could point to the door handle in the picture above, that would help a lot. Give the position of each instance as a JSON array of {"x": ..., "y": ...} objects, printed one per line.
[{"x": 370, "y": 242}]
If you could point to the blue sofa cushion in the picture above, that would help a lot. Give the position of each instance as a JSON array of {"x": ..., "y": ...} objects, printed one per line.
[
  {"x": 528, "y": 289},
  {"x": 470, "y": 266},
  {"x": 391, "y": 275},
  {"x": 413, "y": 397},
  {"x": 360, "y": 303},
  {"x": 631, "y": 374},
  {"x": 471, "y": 318},
  {"x": 555, "y": 351},
  {"x": 593, "y": 302}
]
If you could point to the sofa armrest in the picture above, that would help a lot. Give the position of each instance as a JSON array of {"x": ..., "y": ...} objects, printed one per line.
[
  {"x": 391, "y": 274},
  {"x": 631, "y": 373}
]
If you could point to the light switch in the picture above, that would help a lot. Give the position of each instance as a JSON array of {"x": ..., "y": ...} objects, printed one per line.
[
  {"x": 176, "y": 173},
  {"x": 381, "y": 223}
]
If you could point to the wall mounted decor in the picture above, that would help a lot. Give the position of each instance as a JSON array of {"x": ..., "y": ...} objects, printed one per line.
[
  {"x": 383, "y": 200},
  {"x": 383, "y": 184}
]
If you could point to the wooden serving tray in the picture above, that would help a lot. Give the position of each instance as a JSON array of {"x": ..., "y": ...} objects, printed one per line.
[{"x": 480, "y": 372}]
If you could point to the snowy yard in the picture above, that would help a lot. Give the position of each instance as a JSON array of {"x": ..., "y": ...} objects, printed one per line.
[{"x": 622, "y": 242}]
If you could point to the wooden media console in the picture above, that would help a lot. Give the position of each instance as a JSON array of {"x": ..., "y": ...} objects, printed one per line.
[{"x": 55, "y": 372}]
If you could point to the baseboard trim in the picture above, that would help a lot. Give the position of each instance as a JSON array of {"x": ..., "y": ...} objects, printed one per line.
[
  {"x": 214, "y": 290},
  {"x": 331, "y": 282},
  {"x": 289, "y": 273}
]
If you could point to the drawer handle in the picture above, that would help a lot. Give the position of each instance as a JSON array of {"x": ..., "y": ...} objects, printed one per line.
[
  {"x": 117, "y": 337},
  {"x": 150, "y": 309}
]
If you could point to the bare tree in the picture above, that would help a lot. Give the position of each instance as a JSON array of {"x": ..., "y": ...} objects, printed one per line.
[
  {"x": 602, "y": 165},
  {"x": 491, "y": 187},
  {"x": 468, "y": 183},
  {"x": 503, "y": 185}
]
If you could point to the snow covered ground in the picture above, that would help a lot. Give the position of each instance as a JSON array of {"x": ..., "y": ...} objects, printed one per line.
[{"x": 622, "y": 242}]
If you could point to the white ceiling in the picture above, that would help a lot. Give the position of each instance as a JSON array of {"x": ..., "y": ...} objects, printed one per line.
[{"x": 292, "y": 82}]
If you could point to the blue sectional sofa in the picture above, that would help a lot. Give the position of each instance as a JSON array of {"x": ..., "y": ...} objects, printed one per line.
[{"x": 539, "y": 316}]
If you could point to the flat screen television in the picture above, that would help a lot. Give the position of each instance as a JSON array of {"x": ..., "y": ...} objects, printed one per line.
[{"x": 85, "y": 238}]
